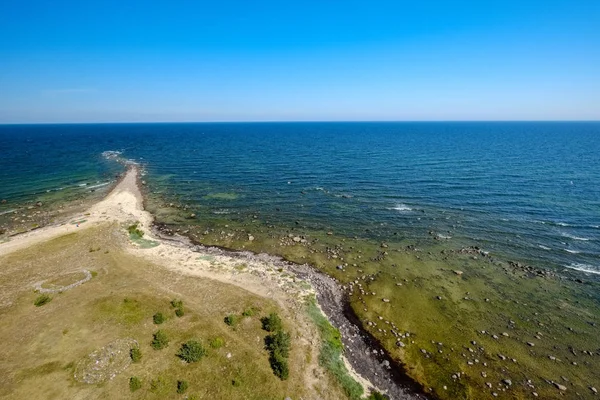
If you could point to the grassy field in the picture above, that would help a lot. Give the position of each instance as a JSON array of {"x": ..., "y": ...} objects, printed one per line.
[{"x": 42, "y": 346}]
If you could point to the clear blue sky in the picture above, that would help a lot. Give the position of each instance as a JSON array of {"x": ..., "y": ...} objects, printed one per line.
[{"x": 82, "y": 61}]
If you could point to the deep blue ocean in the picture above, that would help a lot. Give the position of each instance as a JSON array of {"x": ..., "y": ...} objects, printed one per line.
[{"x": 526, "y": 190}]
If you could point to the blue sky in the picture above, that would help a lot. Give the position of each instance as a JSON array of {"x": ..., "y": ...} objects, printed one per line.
[{"x": 120, "y": 61}]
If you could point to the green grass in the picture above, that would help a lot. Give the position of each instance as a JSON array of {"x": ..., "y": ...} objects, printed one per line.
[
  {"x": 216, "y": 343},
  {"x": 330, "y": 356}
]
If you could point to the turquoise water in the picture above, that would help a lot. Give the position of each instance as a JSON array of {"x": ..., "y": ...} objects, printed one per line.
[{"x": 528, "y": 191}]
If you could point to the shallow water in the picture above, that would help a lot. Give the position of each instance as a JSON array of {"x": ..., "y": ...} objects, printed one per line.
[{"x": 527, "y": 191}]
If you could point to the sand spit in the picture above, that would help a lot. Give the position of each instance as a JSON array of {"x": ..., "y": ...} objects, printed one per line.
[{"x": 290, "y": 285}]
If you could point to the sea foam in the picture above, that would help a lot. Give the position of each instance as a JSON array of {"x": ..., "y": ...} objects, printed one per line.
[
  {"x": 584, "y": 268},
  {"x": 401, "y": 207}
]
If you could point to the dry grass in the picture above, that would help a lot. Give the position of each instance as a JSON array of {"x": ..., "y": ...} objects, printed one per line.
[{"x": 41, "y": 345}]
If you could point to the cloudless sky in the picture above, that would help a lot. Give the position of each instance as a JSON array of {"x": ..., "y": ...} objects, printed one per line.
[{"x": 114, "y": 61}]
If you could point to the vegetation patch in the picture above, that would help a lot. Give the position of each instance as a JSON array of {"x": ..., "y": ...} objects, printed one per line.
[
  {"x": 135, "y": 232},
  {"x": 158, "y": 318},
  {"x": 216, "y": 343},
  {"x": 231, "y": 320},
  {"x": 136, "y": 354},
  {"x": 41, "y": 300},
  {"x": 272, "y": 323},
  {"x": 160, "y": 340},
  {"x": 330, "y": 356},
  {"x": 134, "y": 383},
  {"x": 278, "y": 345},
  {"x": 191, "y": 351},
  {"x": 182, "y": 386},
  {"x": 178, "y": 305}
]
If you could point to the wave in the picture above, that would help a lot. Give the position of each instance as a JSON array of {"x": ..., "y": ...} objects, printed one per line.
[
  {"x": 568, "y": 235},
  {"x": 544, "y": 247},
  {"x": 99, "y": 185},
  {"x": 7, "y": 212},
  {"x": 572, "y": 251},
  {"x": 111, "y": 154},
  {"x": 584, "y": 268},
  {"x": 401, "y": 207}
]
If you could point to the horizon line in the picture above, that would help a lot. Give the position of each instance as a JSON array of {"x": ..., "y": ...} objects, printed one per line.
[{"x": 296, "y": 122}]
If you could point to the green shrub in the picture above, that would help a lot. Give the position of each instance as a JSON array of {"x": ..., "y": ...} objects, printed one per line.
[
  {"x": 216, "y": 343},
  {"x": 279, "y": 365},
  {"x": 135, "y": 383},
  {"x": 377, "y": 396},
  {"x": 179, "y": 312},
  {"x": 41, "y": 300},
  {"x": 231, "y": 320},
  {"x": 182, "y": 386},
  {"x": 159, "y": 385},
  {"x": 160, "y": 340},
  {"x": 134, "y": 232},
  {"x": 272, "y": 323},
  {"x": 158, "y": 318},
  {"x": 175, "y": 303},
  {"x": 135, "y": 354},
  {"x": 249, "y": 312},
  {"x": 236, "y": 382},
  {"x": 279, "y": 342},
  {"x": 191, "y": 351}
]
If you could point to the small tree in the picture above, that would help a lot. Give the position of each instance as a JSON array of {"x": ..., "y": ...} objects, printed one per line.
[
  {"x": 191, "y": 351},
  {"x": 231, "y": 320},
  {"x": 158, "y": 318},
  {"x": 134, "y": 383},
  {"x": 272, "y": 323},
  {"x": 160, "y": 340},
  {"x": 182, "y": 386},
  {"x": 175, "y": 303},
  {"x": 135, "y": 354},
  {"x": 279, "y": 365},
  {"x": 179, "y": 312},
  {"x": 279, "y": 342}
]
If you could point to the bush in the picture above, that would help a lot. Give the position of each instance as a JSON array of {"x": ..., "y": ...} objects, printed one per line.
[
  {"x": 217, "y": 343},
  {"x": 135, "y": 383},
  {"x": 41, "y": 300},
  {"x": 175, "y": 303},
  {"x": 182, "y": 386},
  {"x": 158, "y": 318},
  {"x": 249, "y": 312},
  {"x": 377, "y": 396},
  {"x": 191, "y": 351},
  {"x": 279, "y": 365},
  {"x": 272, "y": 323},
  {"x": 231, "y": 320},
  {"x": 134, "y": 232},
  {"x": 160, "y": 340},
  {"x": 179, "y": 312},
  {"x": 279, "y": 342},
  {"x": 135, "y": 354}
]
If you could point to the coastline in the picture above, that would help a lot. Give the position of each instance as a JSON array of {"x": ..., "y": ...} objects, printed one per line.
[
  {"x": 262, "y": 275},
  {"x": 451, "y": 273}
]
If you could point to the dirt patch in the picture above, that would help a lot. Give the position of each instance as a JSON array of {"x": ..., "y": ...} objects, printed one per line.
[{"x": 105, "y": 363}]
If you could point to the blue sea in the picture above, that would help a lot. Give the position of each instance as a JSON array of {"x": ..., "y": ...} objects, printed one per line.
[{"x": 528, "y": 191}]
